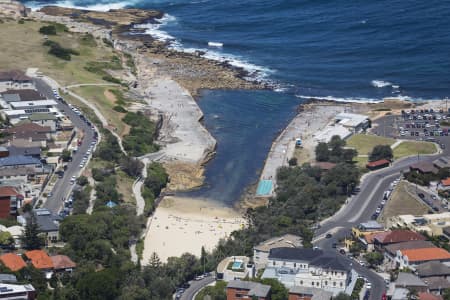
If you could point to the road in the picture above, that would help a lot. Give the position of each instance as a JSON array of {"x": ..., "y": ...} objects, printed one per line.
[
  {"x": 62, "y": 186},
  {"x": 196, "y": 286},
  {"x": 360, "y": 209}
]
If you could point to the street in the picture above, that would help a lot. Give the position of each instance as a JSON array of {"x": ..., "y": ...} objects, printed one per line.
[
  {"x": 62, "y": 186},
  {"x": 196, "y": 285}
]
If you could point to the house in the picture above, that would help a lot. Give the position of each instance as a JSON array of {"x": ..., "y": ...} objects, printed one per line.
[
  {"x": 424, "y": 167},
  {"x": 442, "y": 162},
  {"x": 237, "y": 289},
  {"x": 308, "y": 268},
  {"x": 433, "y": 224},
  {"x": 62, "y": 263},
  {"x": 17, "y": 115},
  {"x": 308, "y": 293},
  {"x": 410, "y": 281},
  {"x": 235, "y": 267},
  {"x": 16, "y": 175},
  {"x": 366, "y": 227},
  {"x": 40, "y": 260},
  {"x": 47, "y": 221},
  {"x": 33, "y": 105},
  {"x": 21, "y": 161},
  {"x": 13, "y": 261},
  {"x": 436, "y": 284},
  {"x": 10, "y": 201},
  {"x": 44, "y": 119},
  {"x": 378, "y": 164},
  {"x": 390, "y": 251},
  {"x": 14, "y": 79},
  {"x": 383, "y": 239},
  {"x": 428, "y": 296},
  {"x": 22, "y": 95},
  {"x": 433, "y": 269},
  {"x": 8, "y": 278},
  {"x": 17, "y": 291},
  {"x": 261, "y": 251},
  {"x": 30, "y": 131},
  {"x": 354, "y": 122},
  {"x": 26, "y": 151},
  {"x": 410, "y": 258}
]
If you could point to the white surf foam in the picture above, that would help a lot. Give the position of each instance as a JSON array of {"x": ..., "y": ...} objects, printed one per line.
[
  {"x": 155, "y": 30},
  {"x": 96, "y": 7},
  {"x": 380, "y": 83},
  {"x": 337, "y": 99}
]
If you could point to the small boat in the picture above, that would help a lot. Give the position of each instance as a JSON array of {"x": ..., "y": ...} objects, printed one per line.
[{"x": 215, "y": 44}]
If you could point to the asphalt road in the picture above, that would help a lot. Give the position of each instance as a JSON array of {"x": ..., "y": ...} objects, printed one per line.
[
  {"x": 63, "y": 187},
  {"x": 360, "y": 209},
  {"x": 196, "y": 286}
]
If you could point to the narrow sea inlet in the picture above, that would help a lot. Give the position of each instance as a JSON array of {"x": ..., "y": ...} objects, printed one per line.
[{"x": 244, "y": 123}]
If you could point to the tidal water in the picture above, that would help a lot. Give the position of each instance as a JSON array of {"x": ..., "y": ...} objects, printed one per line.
[{"x": 341, "y": 50}]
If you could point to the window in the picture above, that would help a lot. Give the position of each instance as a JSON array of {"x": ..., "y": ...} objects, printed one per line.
[
  {"x": 295, "y": 265},
  {"x": 341, "y": 284},
  {"x": 326, "y": 282},
  {"x": 334, "y": 283},
  {"x": 301, "y": 282},
  {"x": 274, "y": 263},
  {"x": 342, "y": 273}
]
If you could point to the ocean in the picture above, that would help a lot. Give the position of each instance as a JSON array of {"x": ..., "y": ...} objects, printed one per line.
[{"x": 339, "y": 50}]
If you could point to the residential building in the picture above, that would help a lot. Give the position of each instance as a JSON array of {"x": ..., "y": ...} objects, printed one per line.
[
  {"x": 62, "y": 263},
  {"x": 237, "y": 289},
  {"x": 8, "y": 278},
  {"x": 17, "y": 115},
  {"x": 433, "y": 224},
  {"x": 436, "y": 284},
  {"x": 17, "y": 291},
  {"x": 409, "y": 281},
  {"x": 40, "y": 260},
  {"x": 308, "y": 268},
  {"x": 13, "y": 261},
  {"x": 444, "y": 184},
  {"x": 390, "y": 251},
  {"x": 22, "y": 95},
  {"x": 44, "y": 119},
  {"x": 366, "y": 227},
  {"x": 34, "y": 105},
  {"x": 428, "y": 296},
  {"x": 433, "y": 269},
  {"x": 10, "y": 201},
  {"x": 21, "y": 161},
  {"x": 424, "y": 167},
  {"x": 235, "y": 267},
  {"x": 261, "y": 251},
  {"x": 385, "y": 238},
  {"x": 442, "y": 162},
  {"x": 308, "y": 293},
  {"x": 14, "y": 79},
  {"x": 9, "y": 176},
  {"x": 26, "y": 151},
  {"x": 410, "y": 258},
  {"x": 47, "y": 221},
  {"x": 30, "y": 131}
]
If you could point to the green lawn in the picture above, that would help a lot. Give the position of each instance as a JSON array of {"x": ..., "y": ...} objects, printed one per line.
[
  {"x": 364, "y": 143},
  {"x": 409, "y": 148}
]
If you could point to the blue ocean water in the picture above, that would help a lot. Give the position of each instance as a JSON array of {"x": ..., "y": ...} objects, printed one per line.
[{"x": 342, "y": 50}]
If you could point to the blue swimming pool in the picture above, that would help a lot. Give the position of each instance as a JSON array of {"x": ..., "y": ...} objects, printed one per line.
[
  {"x": 236, "y": 265},
  {"x": 264, "y": 188}
]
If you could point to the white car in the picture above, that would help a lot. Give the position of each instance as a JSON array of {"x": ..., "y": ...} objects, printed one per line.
[
  {"x": 368, "y": 285},
  {"x": 81, "y": 165}
]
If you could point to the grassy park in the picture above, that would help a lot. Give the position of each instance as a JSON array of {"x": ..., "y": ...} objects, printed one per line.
[
  {"x": 409, "y": 148},
  {"x": 364, "y": 143}
]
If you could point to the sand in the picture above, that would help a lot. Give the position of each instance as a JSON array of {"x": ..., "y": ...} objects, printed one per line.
[{"x": 182, "y": 225}]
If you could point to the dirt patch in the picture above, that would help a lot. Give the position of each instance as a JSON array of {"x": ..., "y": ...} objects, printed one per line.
[
  {"x": 110, "y": 97},
  {"x": 184, "y": 176}
]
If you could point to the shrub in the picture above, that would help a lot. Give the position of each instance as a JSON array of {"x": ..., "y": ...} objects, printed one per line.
[
  {"x": 48, "y": 30},
  {"x": 120, "y": 109}
]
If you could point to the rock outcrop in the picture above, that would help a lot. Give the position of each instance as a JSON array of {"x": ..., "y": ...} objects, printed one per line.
[{"x": 12, "y": 9}]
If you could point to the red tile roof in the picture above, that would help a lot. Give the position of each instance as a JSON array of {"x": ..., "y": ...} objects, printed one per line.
[
  {"x": 446, "y": 181},
  {"x": 398, "y": 236},
  {"x": 7, "y": 191},
  {"x": 62, "y": 262},
  {"x": 428, "y": 296},
  {"x": 28, "y": 127},
  {"x": 426, "y": 254},
  {"x": 377, "y": 163},
  {"x": 13, "y": 261},
  {"x": 39, "y": 259}
]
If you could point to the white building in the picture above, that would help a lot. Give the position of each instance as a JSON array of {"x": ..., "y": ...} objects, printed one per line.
[
  {"x": 235, "y": 267},
  {"x": 308, "y": 268},
  {"x": 354, "y": 122},
  {"x": 14, "y": 79}
]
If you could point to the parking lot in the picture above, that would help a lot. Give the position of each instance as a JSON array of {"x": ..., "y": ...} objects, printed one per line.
[{"x": 421, "y": 125}]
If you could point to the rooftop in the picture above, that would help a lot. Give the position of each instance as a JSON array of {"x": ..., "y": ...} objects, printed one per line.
[
  {"x": 8, "y": 278},
  {"x": 408, "y": 279},
  {"x": 62, "y": 262},
  {"x": 14, "y": 289},
  {"x": 398, "y": 236},
  {"x": 317, "y": 294},
  {"x": 39, "y": 259},
  {"x": 254, "y": 288},
  {"x": 27, "y": 151},
  {"x": 287, "y": 240},
  {"x": 393, "y": 248},
  {"x": 25, "y": 94},
  {"x": 13, "y": 261},
  {"x": 18, "y": 160},
  {"x": 7, "y": 191},
  {"x": 428, "y": 296},
  {"x": 377, "y": 163},
  {"x": 300, "y": 254},
  {"x": 424, "y": 167},
  {"x": 371, "y": 225},
  {"x": 437, "y": 283},
  {"x": 42, "y": 117},
  {"x": 30, "y": 104},
  {"x": 432, "y": 268},
  {"x": 446, "y": 181},
  {"x": 350, "y": 119},
  {"x": 28, "y": 128},
  {"x": 442, "y": 162},
  {"x": 13, "y": 75},
  {"x": 426, "y": 254}
]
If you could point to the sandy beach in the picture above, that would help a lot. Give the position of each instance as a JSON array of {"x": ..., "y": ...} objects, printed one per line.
[{"x": 182, "y": 225}]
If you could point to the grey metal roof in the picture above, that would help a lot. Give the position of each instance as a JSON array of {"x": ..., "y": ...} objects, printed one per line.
[
  {"x": 26, "y": 151},
  {"x": 18, "y": 160},
  {"x": 297, "y": 254},
  {"x": 41, "y": 117},
  {"x": 11, "y": 97},
  {"x": 317, "y": 294},
  {"x": 408, "y": 279},
  {"x": 46, "y": 220},
  {"x": 254, "y": 288},
  {"x": 432, "y": 268},
  {"x": 437, "y": 283},
  {"x": 393, "y": 248},
  {"x": 8, "y": 278}
]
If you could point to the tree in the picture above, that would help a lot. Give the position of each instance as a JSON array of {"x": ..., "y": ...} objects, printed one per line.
[
  {"x": 278, "y": 290},
  {"x": 66, "y": 155},
  {"x": 30, "y": 239},
  {"x": 293, "y": 161},
  {"x": 48, "y": 30},
  {"x": 132, "y": 166},
  {"x": 381, "y": 152},
  {"x": 6, "y": 239},
  {"x": 99, "y": 285},
  {"x": 342, "y": 296},
  {"x": 446, "y": 294},
  {"x": 374, "y": 258},
  {"x": 322, "y": 152},
  {"x": 82, "y": 180}
]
